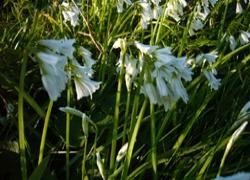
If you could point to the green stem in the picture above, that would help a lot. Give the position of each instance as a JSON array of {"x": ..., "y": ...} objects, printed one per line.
[
  {"x": 153, "y": 141},
  {"x": 116, "y": 116},
  {"x": 126, "y": 118},
  {"x": 67, "y": 135},
  {"x": 45, "y": 129},
  {"x": 21, "y": 132},
  {"x": 84, "y": 157},
  {"x": 132, "y": 141}
]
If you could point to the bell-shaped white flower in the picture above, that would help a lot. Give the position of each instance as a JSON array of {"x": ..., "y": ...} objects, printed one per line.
[
  {"x": 239, "y": 8},
  {"x": 54, "y": 77},
  {"x": 84, "y": 85},
  {"x": 214, "y": 83},
  {"x": 70, "y": 13},
  {"x": 244, "y": 37},
  {"x": 146, "y": 49},
  {"x": 62, "y": 46},
  {"x": 146, "y": 15},
  {"x": 232, "y": 42}
]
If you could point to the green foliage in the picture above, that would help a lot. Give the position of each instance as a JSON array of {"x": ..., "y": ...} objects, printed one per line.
[{"x": 186, "y": 140}]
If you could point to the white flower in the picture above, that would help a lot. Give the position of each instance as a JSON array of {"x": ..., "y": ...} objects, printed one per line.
[
  {"x": 70, "y": 13},
  {"x": 120, "y": 5},
  {"x": 232, "y": 42},
  {"x": 122, "y": 152},
  {"x": 54, "y": 77},
  {"x": 87, "y": 59},
  {"x": 84, "y": 85},
  {"x": 239, "y": 9},
  {"x": 175, "y": 9},
  {"x": 236, "y": 176},
  {"x": 149, "y": 91},
  {"x": 120, "y": 43},
  {"x": 244, "y": 37},
  {"x": 146, "y": 49},
  {"x": 131, "y": 69},
  {"x": 214, "y": 83},
  {"x": 62, "y": 46},
  {"x": 146, "y": 14},
  {"x": 163, "y": 76}
]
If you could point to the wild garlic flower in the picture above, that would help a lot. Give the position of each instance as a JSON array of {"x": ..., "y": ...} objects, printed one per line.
[
  {"x": 54, "y": 78},
  {"x": 57, "y": 65},
  {"x": 131, "y": 69},
  {"x": 175, "y": 9},
  {"x": 70, "y": 13},
  {"x": 120, "y": 5},
  {"x": 150, "y": 10},
  {"x": 232, "y": 42},
  {"x": 81, "y": 74},
  {"x": 163, "y": 75},
  {"x": 244, "y": 37},
  {"x": 201, "y": 12},
  {"x": 239, "y": 8},
  {"x": 208, "y": 70}
]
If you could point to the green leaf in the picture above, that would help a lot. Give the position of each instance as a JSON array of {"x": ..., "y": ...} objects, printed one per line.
[{"x": 40, "y": 169}]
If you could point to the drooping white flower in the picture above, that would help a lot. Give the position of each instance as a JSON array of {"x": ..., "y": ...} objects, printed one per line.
[
  {"x": 120, "y": 5},
  {"x": 147, "y": 49},
  {"x": 84, "y": 85},
  {"x": 239, "y": 9},
  {"x": 62, "y": 46},
  {"x": 232, "y": 42},
  {"x": 244, "y": 37},
  {"x": 149, "y": 90},
  {"x": 163, "y": 75},
  {"x": 214, "y": 83},
  {"x": 70, "y": 13},
  {"x": 54, "y": 77},
  {"x": 175, "y": 8},
  {"x": 122, "y": 152},
  {"x": 146, "y": 14}
]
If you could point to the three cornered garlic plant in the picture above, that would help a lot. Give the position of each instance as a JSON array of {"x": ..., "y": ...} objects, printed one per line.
[{"x": 58, "y": 64}]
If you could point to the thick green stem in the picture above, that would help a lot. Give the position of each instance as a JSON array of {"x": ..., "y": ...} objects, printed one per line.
[
  {"x": 116, "y": 117},
  {"x": 153, "y": 141},
  {"x": 132, "y": 141},
  {"x": 45, "y": 129},
  {"x": 21, "y": 132}
]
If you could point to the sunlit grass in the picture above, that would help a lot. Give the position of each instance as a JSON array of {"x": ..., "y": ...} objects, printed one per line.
[{"x": 189, "y": 133}]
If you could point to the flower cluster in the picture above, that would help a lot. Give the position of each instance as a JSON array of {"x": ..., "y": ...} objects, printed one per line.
[
  {"x": 199, "y": 16},
  {"x": 162, "y": 74},
  {"x": 150, "y": 10},
  {"x": 208, "y": 70},
  {"x": 243, "y": 38},
  {"x": 70, "y": 13},
  {"x": 58, "y": 64},
  {"x": 175, "y": 9}
]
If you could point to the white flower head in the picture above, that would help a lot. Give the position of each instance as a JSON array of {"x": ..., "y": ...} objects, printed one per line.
[
  {"x": 232, "y": 42},
  {"x": 70, "y": 13},
  {"x": 146, "y": 15},
  {"x": 239, "y": 9},
  {"x": 84, "y": 85},
  {"x": 244, "y": 37},
  {"x": 62, "y": 46},
  {"x": 214, "y": 83},
  {"x": 146, "y": 49},
  {"x": 122, "y": 152},
  {"x": 54, "y": 77}
]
